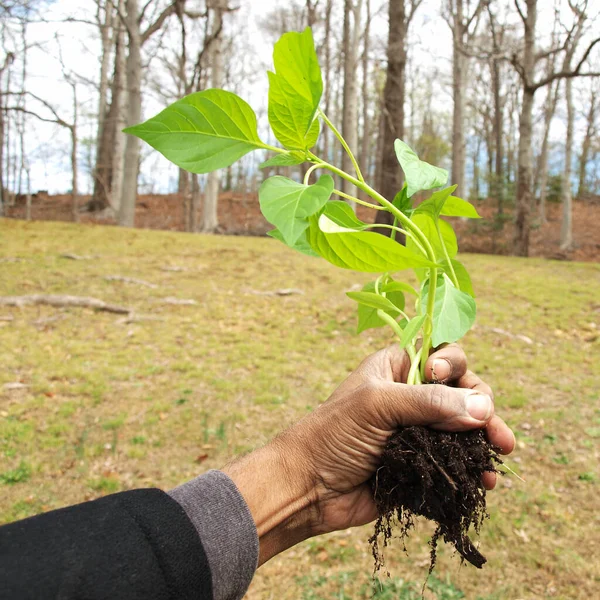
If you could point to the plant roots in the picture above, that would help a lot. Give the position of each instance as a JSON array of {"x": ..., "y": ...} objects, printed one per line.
[{"x": 437, "y": 475}]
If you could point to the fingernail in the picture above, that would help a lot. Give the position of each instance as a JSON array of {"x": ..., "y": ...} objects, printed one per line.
[
  {"x": 479, "y": 406},
  {"x": 441, "y": 369}
]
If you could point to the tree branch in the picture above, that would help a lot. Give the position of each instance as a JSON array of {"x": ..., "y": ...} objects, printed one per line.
[
  {"x": 518, "y": 7},
  {"x": 570, "y": 74},
  {"x": 154, "y": 27}
]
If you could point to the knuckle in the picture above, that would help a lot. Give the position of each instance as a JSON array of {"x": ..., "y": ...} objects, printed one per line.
[{"x": 436, "y": 400}]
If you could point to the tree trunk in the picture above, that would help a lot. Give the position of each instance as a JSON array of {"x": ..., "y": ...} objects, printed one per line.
[
  {"x": 210, "y": 219},
  {"x": 498, "y": 181},
  {"x": 183, "y": 182},
  {"x": 366, "y": 132},
  {"x": 106, "y": 45},
  {"x": 542, "y": 169},
  {"x": 525, "y": 159},
  {"x": 566, "y": 230},
  {"x": 458, "y": 65},
  {"x": 134, "y": 112},
  {"x": 119, "y": 98},
  {"x": 74, "y": 169},
  {"x": 393, "y": 104},
  {"x": 585, "y": 145},
  {"x": 326, "y": 133},
  {"x": 350, "y": 109},
  {"x": 476, "y": 176},
  {"x": 194, "y": 204},
  {"x": 110, "y": 141}
]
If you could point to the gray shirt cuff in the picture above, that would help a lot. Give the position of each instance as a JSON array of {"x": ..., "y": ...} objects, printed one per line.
[{"x": 226, "y": 528}]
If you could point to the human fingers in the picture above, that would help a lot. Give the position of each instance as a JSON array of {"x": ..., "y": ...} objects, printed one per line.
[
  {"x": 489, "y": 480},
  {"x": 499, "y": 434},
  {"x": 470, "y": 381},
  {"x": 438, "y": 406},
  {"x": 446, "y": 364}
]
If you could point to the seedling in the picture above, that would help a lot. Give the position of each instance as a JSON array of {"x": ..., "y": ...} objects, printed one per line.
[{"x": 212, "y": 129}]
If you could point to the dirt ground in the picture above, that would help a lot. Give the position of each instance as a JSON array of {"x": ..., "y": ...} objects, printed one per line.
[{"x": 239, "y": 214}]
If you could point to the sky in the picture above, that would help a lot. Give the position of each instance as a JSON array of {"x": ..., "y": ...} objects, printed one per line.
[{"x": 49, "y": 146}]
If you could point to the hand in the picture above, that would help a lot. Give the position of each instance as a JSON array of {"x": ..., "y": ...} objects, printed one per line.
[{"x": 312, "y": 479}]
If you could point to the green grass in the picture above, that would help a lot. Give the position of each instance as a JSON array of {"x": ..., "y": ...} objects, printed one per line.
[{"x": 113, "y": 405}]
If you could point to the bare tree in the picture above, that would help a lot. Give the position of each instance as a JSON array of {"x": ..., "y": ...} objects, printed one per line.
[
  {"x": 401, "y": 13},
  {"x": 525, "y": 67},
  {"x": 542, "y": 165},
  {"x": 591, "y": 131},
  {"x": 210, "y": 220},
  {"x": 366, "y": 119},
  {"x": 71, "y": 126},
  {"x": 463, "y": 25},
  {"x": 566, "y": 230},
  {"x": 137, "y": 38},
  {"x": 352, "y": 14}
]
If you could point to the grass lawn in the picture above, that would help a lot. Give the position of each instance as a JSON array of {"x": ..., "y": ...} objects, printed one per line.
[{"x": 112, "y": 403}]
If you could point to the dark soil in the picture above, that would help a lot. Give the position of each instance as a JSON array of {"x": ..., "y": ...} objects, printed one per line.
[{"x": 436, "y": 475}]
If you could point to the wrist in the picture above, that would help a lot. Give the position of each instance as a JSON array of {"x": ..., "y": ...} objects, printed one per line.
[{"x": 276, "y": 484}]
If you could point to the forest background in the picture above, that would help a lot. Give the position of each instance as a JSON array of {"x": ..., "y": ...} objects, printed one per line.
[{"x": 504, "y": 94}]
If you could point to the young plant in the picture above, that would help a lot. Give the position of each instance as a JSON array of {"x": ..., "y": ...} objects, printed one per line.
[{"x": 212, "y": 129}]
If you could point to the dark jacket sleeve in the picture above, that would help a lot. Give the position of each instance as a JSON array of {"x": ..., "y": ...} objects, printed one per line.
[{"x": 133, "y": 545}]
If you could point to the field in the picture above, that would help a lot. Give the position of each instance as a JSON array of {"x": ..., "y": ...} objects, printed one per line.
[{"x": 212, "y": 362}]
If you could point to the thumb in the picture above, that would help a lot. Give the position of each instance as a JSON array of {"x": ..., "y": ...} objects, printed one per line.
[{"x": 438, "y": 406}]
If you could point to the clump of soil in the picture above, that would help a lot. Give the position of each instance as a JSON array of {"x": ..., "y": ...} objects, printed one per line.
[{"x": 437, "y": 475}]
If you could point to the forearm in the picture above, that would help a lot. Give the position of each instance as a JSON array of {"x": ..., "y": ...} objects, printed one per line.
[{"x": 280, "y": 496}]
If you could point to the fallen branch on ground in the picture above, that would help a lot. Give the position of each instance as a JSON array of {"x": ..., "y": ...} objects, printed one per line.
[
  {"x": 62, "y": 301},
  {"x": 282, "y": 292},
  {"x": 179, "y": 301},
  {"x": 130, "y": 280},
  {"x": 134, "y": 318},
  {"x": 78, "y": 257}
]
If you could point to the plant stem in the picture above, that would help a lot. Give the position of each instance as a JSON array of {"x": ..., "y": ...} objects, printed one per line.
[
  {"x": 428, "y": 325},
  {"x": 342, "y": 141},
  {"x": 357, "y": 200},
  {"x": 447, "y": 256},
  {"x": 413, "y": 375},
  {"x": 275, "y": 149},
  {"x": 309, "y": 172},
  {"x": 399, "y": 230},
  {"x": 391, "y": 322},
  {"x": 393, "y": 234}
]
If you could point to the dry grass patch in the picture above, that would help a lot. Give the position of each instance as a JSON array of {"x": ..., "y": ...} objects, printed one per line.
[{"x": 109, "y": 403}]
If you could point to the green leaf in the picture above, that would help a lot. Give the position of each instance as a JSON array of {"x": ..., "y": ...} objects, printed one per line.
[
  {"x": 434, "y": 205},
  {"x": 453, "y": 313},
  {"x": 288, "y": 204},
  {"x": 411, "y": 330},
  {"x": 402, "y": 202},
  {"x": 289, "y": 159},
  {"x": 295, "y": 90},
  {"x": 464, "y": 280},
  {"x": 202, "y": 132},
  {"x": 342, "y": 218},
  {"x": 351, "y": 248},
  {"x": 419, "y": 174},
  {"x": 373, "y": 300},
  {"x": 367, "y": 316},
  {"x": 457, "y": 207},
  {"x": 301, "y": 244},
  {"x": 427, "y": 225}
]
